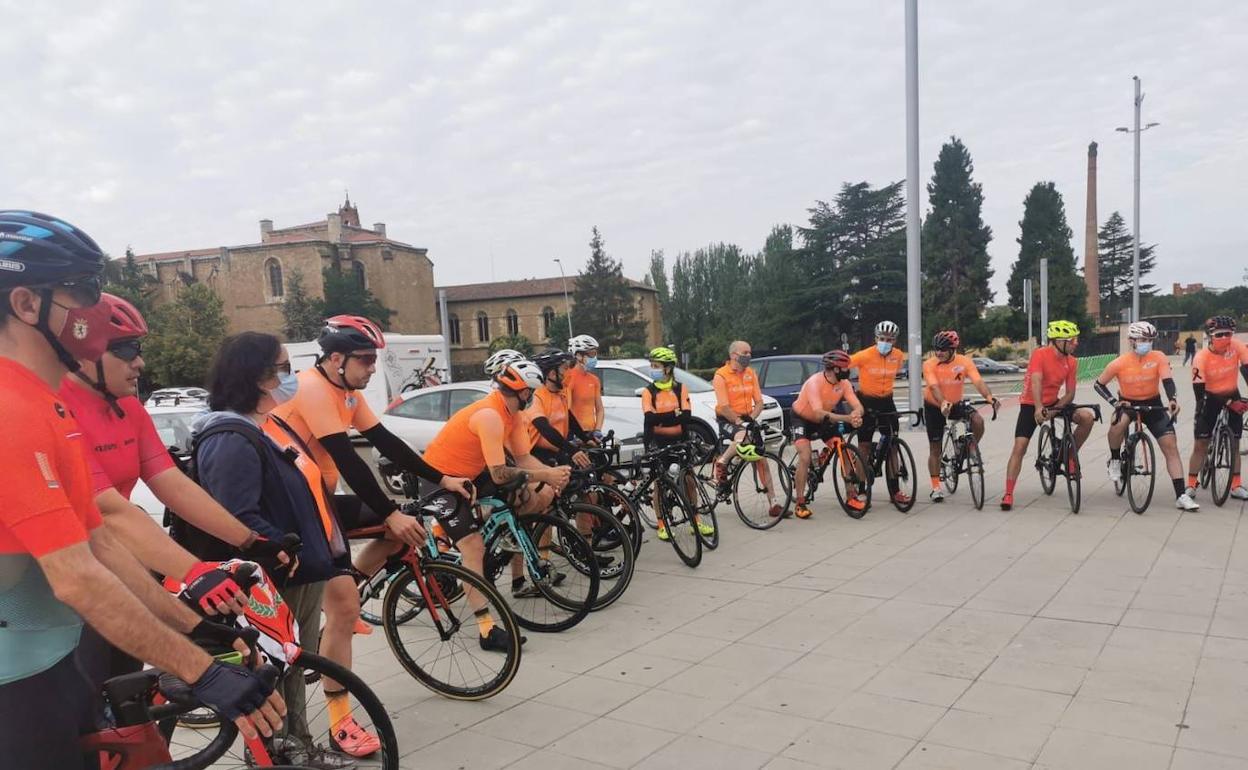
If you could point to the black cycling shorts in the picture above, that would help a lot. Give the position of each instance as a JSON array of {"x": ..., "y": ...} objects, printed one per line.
[
  {"x": 1159, "y": 423},
  {"x": 456, "y": 515},
  {"x": 1025, "y": 426},
  {"x": 726, "y": 429},
  {"x": 660, "y": 441},
  {"x": 805, "y": 430},
  {"x": 870, "y": 423},
  {"x": 44, "y": 715},
  {"x": 1207, "y": 416},
  {"x": 936, "y": 421}
]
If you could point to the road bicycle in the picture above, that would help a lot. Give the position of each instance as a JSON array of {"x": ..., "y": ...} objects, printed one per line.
[
  {"x": 754, "y": 487},
  {"x": 892, "y": 449},
  {"x": 1057, "y": 454},
  {"x": 609, "y": 539},
  {"x": 1217, "y": 470},
  {"x": 959, "y": 451},
  {"x": 658, "y": 477},
  {"x": 1137, "y": 458},
  {"x": 851, "y": 478}
]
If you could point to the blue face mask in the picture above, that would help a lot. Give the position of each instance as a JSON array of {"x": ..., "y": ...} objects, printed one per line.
[
  {"x": 1143, "y": 348},
  {"x": 591, "y": 364},
  {"x": 884, "y": 347},
  {"x": 658, "y": 375},
  {"x": 287, "y": 385}
]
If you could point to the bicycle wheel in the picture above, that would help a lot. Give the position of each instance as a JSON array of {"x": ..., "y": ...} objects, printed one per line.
[
  {"x": 621, "y": 507},
  {"x": 852, "y": 480},
  {"x": 678, "y": 517},
  {"x": 750, "y": 496},
  {"x": 612, "y": 547},
  {"x": 705, "y": 506},
  {"x": 907, "y": 474},
  {"x": 1206, "y": 467},
  {"x": 949, "y": 463},
  {"x": 439, "y": 645},
  {"x": 373, "y": 593},
  {"x": 1220, "y": 474},
  {"x": 975, "y": 474},
  {"x": 1141, "y": 470},
  {"x": 559, "y": 590},
  {"x": 1074, "y": 473},
  {"x": 1045, "y": 452}
]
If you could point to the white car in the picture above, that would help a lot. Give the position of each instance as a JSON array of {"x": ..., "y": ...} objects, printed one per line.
[
  {"x": 176, "y": 396},
  {"x": 173, "y": 424}
]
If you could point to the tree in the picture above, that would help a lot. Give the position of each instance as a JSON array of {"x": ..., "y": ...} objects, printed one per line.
[
  {"x": 517, "y": 342},
  {"x": 1045, "y": 234},
  {"x": 185, "y": 335},
  {"x": 658, "y": 279},
  {"x": 603, "y": 303},
  {"x": 955, "y": 247},
  {"x": 124, "y": 278},
  {"x": 1116, "y": 256},
  {"x": 302, "y": 315},
  {"x": 345, "y": 295}
]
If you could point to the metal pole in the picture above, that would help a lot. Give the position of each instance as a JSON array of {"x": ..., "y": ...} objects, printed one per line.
[
  {"x": 1027, "y": 303},
  {"x": 914, "y": 307},
  {"x": 1135, "y": 259},
  {"x": 445, "y": 317},
  {"x": 1044, "y": 301},
  {"x": 567, "y": 305}
]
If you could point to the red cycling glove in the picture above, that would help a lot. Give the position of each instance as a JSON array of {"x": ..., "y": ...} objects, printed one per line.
[{"x": 208, "y": 586}]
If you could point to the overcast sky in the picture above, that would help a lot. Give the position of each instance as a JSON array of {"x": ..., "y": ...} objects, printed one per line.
[{"x": 496, "y": 134}]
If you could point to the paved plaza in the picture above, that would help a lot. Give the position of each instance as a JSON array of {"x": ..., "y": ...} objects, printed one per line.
[{"x": 943, "y": 638}]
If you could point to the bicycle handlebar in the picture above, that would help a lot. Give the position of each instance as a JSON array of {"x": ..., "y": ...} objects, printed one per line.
[{"x": 994, "y": 403}]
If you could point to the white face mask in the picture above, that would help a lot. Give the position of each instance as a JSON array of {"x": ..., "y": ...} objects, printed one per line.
[
  {"x": 287, "y": 386},
  {"x": 1143, "y": 348}
]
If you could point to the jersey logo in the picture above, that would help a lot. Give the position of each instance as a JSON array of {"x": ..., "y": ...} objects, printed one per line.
[
  {"x": 60, "y": 410},
  {"x": 350, "y": 402},
  {"x": 45, "y": 468}
]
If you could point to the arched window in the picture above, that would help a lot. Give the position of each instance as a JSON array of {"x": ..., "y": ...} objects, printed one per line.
[
  {"x": 361, "y": 280},
  {"x": 273, "y": 271},
  {"x": 483, "y": 327},
  {"x": 453, "y": 333},
  {"x": 548, "y": 320},
  {"x": 513, "y": 322}
]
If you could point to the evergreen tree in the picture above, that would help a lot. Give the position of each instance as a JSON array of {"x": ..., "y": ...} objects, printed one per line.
[
  {"x": 517, "y": 342},
  {"x": 345, "y": 295},
  {"x": 603, "y": 303},
  {"x": 302, "y": 315},
  {"x": 658, "y": 279},
  {"x": 955, "y": 247},
  {"x": 185, "y": 335},
  {"x": 1116, "y": 247},
  {"x": 124, "y": 278},
  {"x": 1045, "y": 234}
]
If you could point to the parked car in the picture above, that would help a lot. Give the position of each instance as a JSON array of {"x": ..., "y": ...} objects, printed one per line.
[
  {"x": 989, "y": 366},
  {"x": 176, "y": 396},
  {"x": 781, "y": 377},
  {"x": 173, "y": 424}
]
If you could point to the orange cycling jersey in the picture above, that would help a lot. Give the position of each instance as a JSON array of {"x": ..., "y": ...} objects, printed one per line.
[
  {"x": 1139, "y": 377},
  {"x": 877, "y": 373},
  {"x": 477, "y": 437},
  {"x": 819, "y": 394},
  {"x": 320, "y": 408},
  {"x": 583, "y": 388},
  {"x": 1054, "y": 369},
  {"x": 950, "y": 377},
  {"x": 665, "y": 402},
  {"x": 554, "y": 407},
  {"x": 737, "y": 391},
  {"x": 1219, "y": 372}
]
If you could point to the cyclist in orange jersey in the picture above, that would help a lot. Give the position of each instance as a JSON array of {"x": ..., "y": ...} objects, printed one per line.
[
  {"x": 944, "y": 378},
  {"x": 583, "y": 386},
  {"x": 1215, "y": 379},
  {"x": 819, "y": 416},
  {"x": 878, "y": 367},
  {"x": 738, "y": 403}
]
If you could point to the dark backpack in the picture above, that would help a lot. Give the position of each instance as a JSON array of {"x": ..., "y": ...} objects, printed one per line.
[
  {"x": 201, "y": 544},
  {"x": 677, "y": 389}
]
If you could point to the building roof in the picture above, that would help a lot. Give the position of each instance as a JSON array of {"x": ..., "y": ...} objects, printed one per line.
[{"x": 526, "y": 287}]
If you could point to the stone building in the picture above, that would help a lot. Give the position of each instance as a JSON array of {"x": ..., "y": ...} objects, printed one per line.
[
  {"x": 251, "y": 279},
  {"x": 480, "y": 312}
]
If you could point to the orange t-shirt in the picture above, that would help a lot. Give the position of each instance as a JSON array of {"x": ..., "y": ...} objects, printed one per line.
[
  {"x": 584, "y": 389},
  {"x": 47, "y": 500},
  {"x": 739, "y": 392},
  {"x": 951, "y": 377},
  {"x": 1055, "y": 371},
  {"x": 877, "y": 373},
  {"x": 819, "y": 394},
  {"x": 554, "y": 407},
  {"x": 320, "y": 408},
  {"x": 664, "y": 402},
  {"x": 477, "y": 437},
  {"x": 1220, "y": 371},
  {"x": 1139, "y": 377}
]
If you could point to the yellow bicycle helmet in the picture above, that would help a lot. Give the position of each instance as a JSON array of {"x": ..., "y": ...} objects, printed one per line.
[
  {"x": 663, "y": 355},
  {"x": 749, "y": 453},
  {"x": 1062, "y": 330}
]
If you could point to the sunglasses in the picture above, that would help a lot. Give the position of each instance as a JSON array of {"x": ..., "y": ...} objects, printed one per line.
[
  {"x": 272, "y": 371},
  {"x": 1222, "y": 335},
  {"x": 126, "y": 350},
  {"x": 368, "y": 359},
  {"x": 84, "y": 290}
]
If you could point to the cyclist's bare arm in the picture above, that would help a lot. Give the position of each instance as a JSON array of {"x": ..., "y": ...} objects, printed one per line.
[
  {"x": 142, "y": 536},
  {"x": 196, "y": 506},
  {"x": 110, "y": 552},
  {"x": 1037, "y": 389}
]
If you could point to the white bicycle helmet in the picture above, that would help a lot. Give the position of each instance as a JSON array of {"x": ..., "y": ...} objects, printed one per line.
[
  {"x": 1142, "y": 330},
  {"x": 520, "y": 375},
  {"x": 886, "y": 329},
  {"x": 581, "y": 343},
  {"x": 499, "y": 361}
]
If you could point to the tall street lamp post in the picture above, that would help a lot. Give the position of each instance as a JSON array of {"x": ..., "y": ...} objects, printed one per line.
[
  {"x": 1135, "y": 263},
  {"x": 567, "y": 305}
]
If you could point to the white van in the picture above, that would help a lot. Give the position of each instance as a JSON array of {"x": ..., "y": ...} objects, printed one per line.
[{"x": 408, "y": 361}]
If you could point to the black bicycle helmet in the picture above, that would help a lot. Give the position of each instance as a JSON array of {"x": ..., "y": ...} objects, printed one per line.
[
  {"x": 38, "y": 249},
  {"x": 550, "y": 360},
  {"x": 1219, "y": 322},
  {"x": 349, "y": 333}
]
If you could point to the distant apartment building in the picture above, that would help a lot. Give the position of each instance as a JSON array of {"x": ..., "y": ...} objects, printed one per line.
[{"x": 1191, "y": 288}]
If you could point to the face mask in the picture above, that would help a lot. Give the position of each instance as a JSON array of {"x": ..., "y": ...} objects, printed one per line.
[
  {"x": 1219, "y": 344},
  {"x": 1143, "y": 348},
  {"x": 743, "y": 359},
  {"x": 287, "y": 385},
  {"x": 884, "y": 347},
  {"x": 83, "y": 335},
  {"x": 658, "y": 375},
  {"x": 591, "y": 364}
]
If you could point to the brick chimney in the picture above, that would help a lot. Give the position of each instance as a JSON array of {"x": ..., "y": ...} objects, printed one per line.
[
  {"x": 266, "y": 227},
  {"x": 334, "y": 222},
  {"x": 1091, "y": 250},
  {"x": 380, "y": 228}
]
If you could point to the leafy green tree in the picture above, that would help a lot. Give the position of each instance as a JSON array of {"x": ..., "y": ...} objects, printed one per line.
[
  {"x": 124, "y": 278},
  {"x": 1199, "y": 306},
  {"x": 658, "y": 279},
  {"x": 185, "y": 335},
  {"x": 603, "y": 304},
  {"x": 345, "y": 295},
  {"x": 302, "y": 315},
  {"x": 517, "y": 342},
  {"x": 559, "y": 330},
  {"x": 1116, "y": 247},
  {"x": 955, "y": 247},
  {"x": 1045, "y": 234}
]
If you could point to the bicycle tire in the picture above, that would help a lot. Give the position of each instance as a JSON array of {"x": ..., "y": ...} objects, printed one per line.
[
  {"x": 620, "y": 506},
  {"x": 373, "y": 593},
  {"x": 1046, "y": 450},
  {"x": 749, "y": 494},
  {"x": 550, "y": 610},
  {"x": 1141, "y": 464},
  {"x": 851, "y": 469},
  {"x": 705, "y": 506},
  {"x": 200, "y": 759},
  {"x": 975, "y": 474},
  {"x": 1206, "y": 467},
  {"x": 677, "y": 514},
  {"x": 456, "y": 612},
  {"x": 907, "y": 474},
  {"x": 950, "y": 463},
  {"x": 1074, "y": 473},
  {"x": 607, "y": 537},
  {"x": 1223, "y": 461}
]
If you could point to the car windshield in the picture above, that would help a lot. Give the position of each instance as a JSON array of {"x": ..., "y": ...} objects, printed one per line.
[
  {"x": 174, "y": 429},
  {"x": 693, "y": 382}
]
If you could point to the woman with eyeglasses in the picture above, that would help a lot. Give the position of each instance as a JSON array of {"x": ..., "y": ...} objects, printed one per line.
[{"x": 1216, "y": 371}]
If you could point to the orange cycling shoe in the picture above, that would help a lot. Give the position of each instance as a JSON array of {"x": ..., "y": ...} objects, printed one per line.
[
  {"x": 1007, "y": 501},
  {"x": 362, "y": 628},
  {"x": 856, "y": 503},
  {"x": 802, "y": 512},
  {"x": 350, "y": 738},
  {"x": 900, "y": 498}
]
